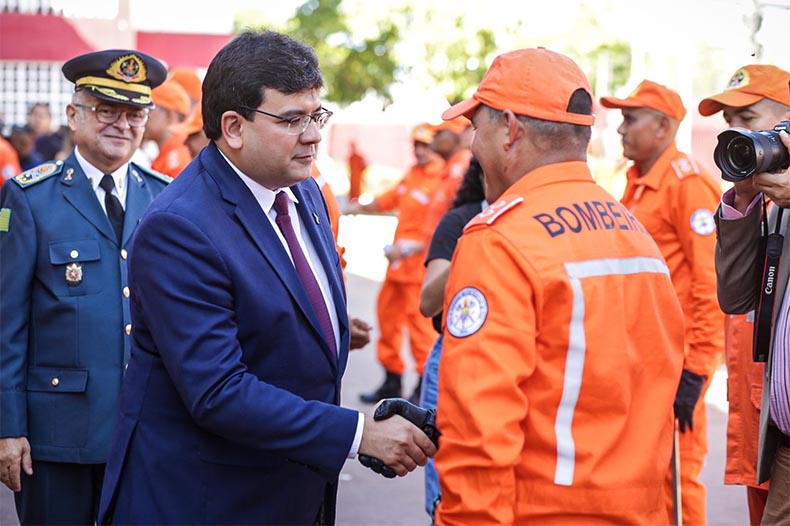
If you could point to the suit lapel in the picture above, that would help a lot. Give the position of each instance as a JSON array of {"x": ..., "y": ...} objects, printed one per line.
[
  {"x": 310, "y": 216},
  {"x": 78, "y": 191},
  {"x": 137, "y": 200},
  {"x": 252, "y": 218}
]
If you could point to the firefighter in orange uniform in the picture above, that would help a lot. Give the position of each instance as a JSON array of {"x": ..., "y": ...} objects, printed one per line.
[
  {"x": 9, "y": 161},
  {"x": 451, "y": 142},
  {"x": 173, "y": 106},
  {"x": 756, "y": 98},
  {"x": 192, "y": 131},
  {"x": 675, "y": 200},
  {"x": 357, "y": 164},
  {"x": 399, "y": 298},
  {"x": 563, "y": 340}
]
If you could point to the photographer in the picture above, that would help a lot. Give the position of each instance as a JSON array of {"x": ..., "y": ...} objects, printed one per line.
[{"x": 757, "y": 97}]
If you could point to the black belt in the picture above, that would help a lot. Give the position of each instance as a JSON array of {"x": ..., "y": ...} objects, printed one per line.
[{"x": 784, "y": 440}]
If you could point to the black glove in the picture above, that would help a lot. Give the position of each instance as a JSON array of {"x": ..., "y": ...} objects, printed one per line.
[
  {"x": 425, "y": 419},
  {"x": 690, "y": 387}
]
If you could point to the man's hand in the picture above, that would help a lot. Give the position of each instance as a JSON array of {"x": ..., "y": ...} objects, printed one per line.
[
  {"x": 14, "y": 456},
  {"x": 775, "y": 185},
  {"x": 686, "y": 399},
  {"x": 360, "y": 333},
  {"x": 397, "y": 444}
]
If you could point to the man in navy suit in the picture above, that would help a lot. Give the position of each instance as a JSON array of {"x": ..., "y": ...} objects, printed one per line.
[
  {"x": 230, "y": 406},
  {"x": 65, "y": 235}
]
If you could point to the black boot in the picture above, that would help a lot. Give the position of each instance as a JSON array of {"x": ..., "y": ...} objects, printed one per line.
[
  {"x": 415, "y": 396},
  {"x": 391, "y": 388}
]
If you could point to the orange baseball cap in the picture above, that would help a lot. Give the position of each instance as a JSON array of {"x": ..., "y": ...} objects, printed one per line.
[
  {"x": 457, "y": 125},
  {"x": 535, "y": 82},
  {"x": 173, "y": 96},
  {"x": 748, "y": 85},
  {"x": 649, "y": 94},
  {"x": 189, "y": 80},
  {"x": 192, "y": 125},
  {"x": 423, "y": 133}
]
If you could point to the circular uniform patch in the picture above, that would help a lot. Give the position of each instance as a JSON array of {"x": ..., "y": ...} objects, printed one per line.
[
  {"x": 467, "y": 312},
  {"x": 702, "y": 222}
]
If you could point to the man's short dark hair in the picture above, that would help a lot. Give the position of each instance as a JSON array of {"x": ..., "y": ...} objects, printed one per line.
[{"x": 249, "y": 64}]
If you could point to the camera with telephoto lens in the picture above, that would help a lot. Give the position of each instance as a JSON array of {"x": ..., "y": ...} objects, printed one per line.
[{"x": 741, "y": 153}]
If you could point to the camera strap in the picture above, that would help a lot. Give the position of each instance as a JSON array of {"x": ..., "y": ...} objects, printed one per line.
[{"x": 771, "y": 246}]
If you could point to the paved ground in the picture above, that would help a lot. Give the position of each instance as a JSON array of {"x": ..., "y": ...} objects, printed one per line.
[{"x": 368, "y": 499}]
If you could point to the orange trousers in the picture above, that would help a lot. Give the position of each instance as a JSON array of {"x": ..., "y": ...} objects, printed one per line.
[
  {"x": 693, "y": 448},
  {"x": 399, "y": 308}
]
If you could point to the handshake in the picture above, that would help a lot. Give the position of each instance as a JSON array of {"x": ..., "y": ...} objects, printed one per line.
[{"x": 424, "y": 419}]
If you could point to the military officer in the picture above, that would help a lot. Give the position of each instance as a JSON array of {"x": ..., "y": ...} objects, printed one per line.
[{"x": 65, "y": 234}]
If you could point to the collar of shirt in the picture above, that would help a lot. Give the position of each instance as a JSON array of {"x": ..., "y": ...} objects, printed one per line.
[
  {"x": 95, "y": 175},
  {"x": 657, "y": 172},
  {"x": 263, "y": 195}
]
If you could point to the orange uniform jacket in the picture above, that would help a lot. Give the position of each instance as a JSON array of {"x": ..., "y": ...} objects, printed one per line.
[
  {"x": 411, "y": 197},
  {"x": 173, "y": 157},
  {"x": 9, "y": 161},
  {"x": 563, "y": 347},
  {"x": 675, "y": 201},
  {"x": 449, "y": 181}
]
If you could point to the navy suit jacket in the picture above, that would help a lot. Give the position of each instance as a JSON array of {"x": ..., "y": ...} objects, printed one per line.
[
  {"x": 63, "y": 339},
  {"x": 229, "y": 408}
]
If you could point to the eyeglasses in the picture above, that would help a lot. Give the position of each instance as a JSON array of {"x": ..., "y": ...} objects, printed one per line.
[
  {"x": 106, "y": 114},
  {"x": 298, "y": 125}
]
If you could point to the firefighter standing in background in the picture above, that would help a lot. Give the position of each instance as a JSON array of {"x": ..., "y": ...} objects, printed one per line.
[
  {"x": 675, "y": 200},
  {"x": 399, "y": 297}
]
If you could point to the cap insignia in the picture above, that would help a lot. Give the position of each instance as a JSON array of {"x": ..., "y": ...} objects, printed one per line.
[
  {"x": 739, "y": 79},
  {"x": 128, "y": 68}
]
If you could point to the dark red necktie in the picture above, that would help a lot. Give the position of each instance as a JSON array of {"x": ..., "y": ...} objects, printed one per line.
[{"x": 283, "y": 221}]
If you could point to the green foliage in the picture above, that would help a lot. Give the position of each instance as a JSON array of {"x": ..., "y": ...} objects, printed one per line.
[{"x": 352, "y": 65}]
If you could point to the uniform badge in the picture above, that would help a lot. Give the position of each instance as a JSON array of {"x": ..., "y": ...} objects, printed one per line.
[
  {"x": 69, "y": 172},
  {"x": 702, "y": 222},
  {"x": 73, "y": 274},
  {"x": 467, "y": 312},
  {"x": 128, "y": 68},
  {"x": 740, "y": 78}
]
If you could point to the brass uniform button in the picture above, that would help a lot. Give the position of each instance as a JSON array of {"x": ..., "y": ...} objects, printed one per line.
[
  {"x": 55, "y": 382},
  {"x": 126, "y": 292},
  {"x": 128, "y": 329},
  {"x": 124, "y": 253},
  {"x": 74, "y": 254}
]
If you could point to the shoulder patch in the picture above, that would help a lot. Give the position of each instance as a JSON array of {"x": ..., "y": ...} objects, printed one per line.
[
  {"x": 702, "y": 222},
  {"x": 38, "y": 174},
  {"x": 136, "y": 170},
  {"x": 467, "y": 312},
  {"x": 495, "y": 211},
  {"x": 684, "y": 166}
]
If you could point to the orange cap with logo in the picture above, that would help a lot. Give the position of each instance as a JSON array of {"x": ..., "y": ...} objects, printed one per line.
[
  {"x": 649, "y": 94},
  {"x": 189, "y": 80},
  {"x": 423, "y": 133},
  {"x": 457, "y": 125},
  {"x": 748, "y": 85},
  {"x": 173, "y": 96},
  {"x": 192, "y": 125},
  {"x": 535, "y": 82}
]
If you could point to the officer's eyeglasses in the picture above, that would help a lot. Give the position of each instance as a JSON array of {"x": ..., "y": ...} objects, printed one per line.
[
  {"x": 298, "y": 125},
  {"x": 106, "y": 114}
]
